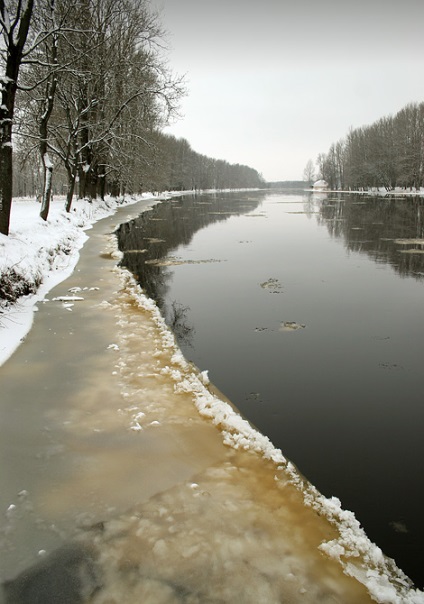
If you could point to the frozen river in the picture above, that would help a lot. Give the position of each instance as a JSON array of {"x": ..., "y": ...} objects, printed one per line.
[
  {"x": 115, "y": 489},
  {"x": 308, "y": 313}
]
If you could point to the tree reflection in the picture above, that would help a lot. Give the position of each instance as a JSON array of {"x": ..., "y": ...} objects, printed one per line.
[
  {"x": 153, "y": 235},
  {"x": 374, "y": 226},
  {"x": 178, "y": 322}
]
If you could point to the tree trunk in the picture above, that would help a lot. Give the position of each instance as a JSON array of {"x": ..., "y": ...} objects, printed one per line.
[
  {"x": 47, "y": 186},
  {"x": 6, "y": 177},
  {"x": 92, "y": 183},
  {"x": 102, "y": 182},
  {"x": 82, "y": 177},
  {"x": 71, "y": 188},
  {"x": 44, "y": 127},
  {"x": 8, "y": 93},
  {"x": 9, "y": 83},
  {"x": 85, "y": 151}
]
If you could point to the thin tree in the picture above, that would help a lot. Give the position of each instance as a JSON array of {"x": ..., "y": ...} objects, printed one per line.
[
  {"x": 15, "y": 20},
  {"x": 48, "y": 105},
  {"x": 309, "y": 172}
]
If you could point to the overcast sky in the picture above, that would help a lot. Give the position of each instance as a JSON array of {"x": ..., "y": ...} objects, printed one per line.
[{"x": 272, "y": 83}]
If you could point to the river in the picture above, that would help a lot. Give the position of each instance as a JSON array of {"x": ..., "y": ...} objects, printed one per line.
[
  {"x": 115, "y": 489},
  {"x": 308, "y": 313}
]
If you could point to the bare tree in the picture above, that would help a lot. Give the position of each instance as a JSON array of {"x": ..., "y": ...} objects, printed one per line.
[
  {"x": 387, "y": 153},
  {"x": 47, "y": 108},
  {"x": 309, "y": 172},
  {"x": 113, "y": 94},
  {"x": 320, "y": 163},
  {"x": 15, "y": 20}
]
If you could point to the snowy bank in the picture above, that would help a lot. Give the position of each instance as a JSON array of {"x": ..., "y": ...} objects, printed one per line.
[
  {"x": 374, "y": 191},
  {"x": 38, "y": 254}
]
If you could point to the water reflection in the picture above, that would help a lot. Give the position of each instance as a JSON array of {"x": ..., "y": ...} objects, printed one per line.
[
  {"x": 342, "y": 397},
  {"x": 155, "y": 234},
  {"x": 389, "y": 230},
  {"x": 179, "y": 323}
]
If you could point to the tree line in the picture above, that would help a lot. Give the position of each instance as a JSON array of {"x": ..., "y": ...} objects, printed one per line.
[
  {"x": 85, "y": 95},
  {"x": 171, "y": 165},
  {"x": 388, "y": 153}
]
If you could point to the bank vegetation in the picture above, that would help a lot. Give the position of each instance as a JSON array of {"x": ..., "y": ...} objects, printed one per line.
[{"x": 388, "y": 153}]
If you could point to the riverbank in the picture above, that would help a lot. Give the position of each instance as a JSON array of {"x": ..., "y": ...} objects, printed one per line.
[
  {"x": 239, "y": 515},
  {"x": 374, "y": 191},
  {"x": 38, "y": 254}
]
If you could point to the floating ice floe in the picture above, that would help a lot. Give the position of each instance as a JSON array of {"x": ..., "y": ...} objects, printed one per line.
[
  {"x": 409, "y": 241},
  {"x": 412, "y": 241},
  {"x": 272, "y": 285},
  {"x": 113, "y": 347},
  {"x": 172, "y": 261},
  {"x": 291, "y": 326},
  {"x": 67, "y": 299}
]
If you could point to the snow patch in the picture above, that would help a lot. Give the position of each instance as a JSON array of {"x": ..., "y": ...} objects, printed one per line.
[
  {"x": 38, "y": 255},
  {"x": 67, "y": 299}
]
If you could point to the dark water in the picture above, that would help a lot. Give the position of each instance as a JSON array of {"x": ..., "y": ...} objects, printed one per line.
[{"x": 308, "y": 313}]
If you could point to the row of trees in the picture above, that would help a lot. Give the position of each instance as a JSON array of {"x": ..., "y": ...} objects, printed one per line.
[
  {"x": 179, "y": 167},
  {"x": 170, "y": 165},
  {"x": 389, "y": 153},
  {"x": 86, "y": 92},
  {"x": 92, "y": 84}
]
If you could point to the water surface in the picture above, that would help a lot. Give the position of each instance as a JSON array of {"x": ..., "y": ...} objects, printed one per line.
[
  {"x": 99, "y": 451},
  {"x": 307, "y": 311}
]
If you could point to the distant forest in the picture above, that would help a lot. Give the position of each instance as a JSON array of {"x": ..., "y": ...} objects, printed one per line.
[
  {"x": 167, "y": 164},
  {"x": 86, "y": 93},
  {"x": 286, "y": 184},
  {"x": 389, "y": 153}
]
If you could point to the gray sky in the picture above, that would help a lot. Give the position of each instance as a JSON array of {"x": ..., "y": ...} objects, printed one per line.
[{"x": 272, "y": 83}]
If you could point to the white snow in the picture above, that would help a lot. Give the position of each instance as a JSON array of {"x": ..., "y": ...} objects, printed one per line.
[
  {"x": 320, "y": 184},
  {"x": 67, "y": 299},
  {"x": 48, "y": 251},
  {"x": 47, "y": 161},
  {"x": 45, "y": 252}
]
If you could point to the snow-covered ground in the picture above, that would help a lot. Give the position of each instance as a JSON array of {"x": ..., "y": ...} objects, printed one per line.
[
  {"x": 39, "y": 254},
  {"x": 377, "y": 191},
  {"x": 46, "y": 253}
]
